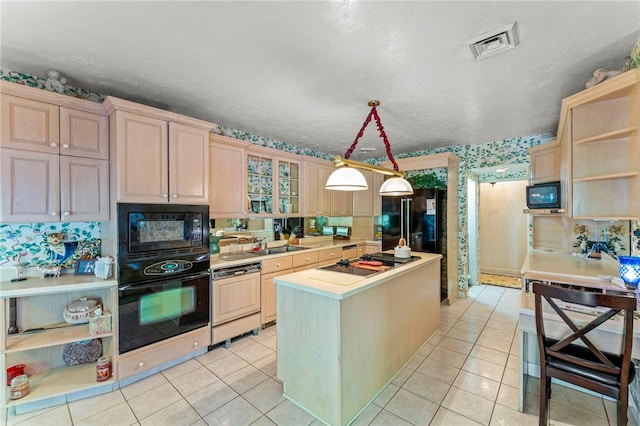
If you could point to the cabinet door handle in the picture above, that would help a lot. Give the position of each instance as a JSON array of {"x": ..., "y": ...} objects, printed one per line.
[
  {"x": 141, "y": 364},
  {"x": 66, "y": 213},
  {"x": 277, "y": 265},
  {"x": 54, "y": 213},
  {"x": 66, "y": 145},
  {"x": 165, "y": 195},
  {"x": 195, "y": 343},
  {"x": 174, "y": 196},
  {"x": 53, "y": 144}
]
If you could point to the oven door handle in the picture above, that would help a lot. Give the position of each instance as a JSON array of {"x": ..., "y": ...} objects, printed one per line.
[{"x": 155, "y": 283}]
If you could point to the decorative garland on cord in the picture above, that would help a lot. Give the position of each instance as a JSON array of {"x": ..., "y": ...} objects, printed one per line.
[{"x": 383, "y": 135}]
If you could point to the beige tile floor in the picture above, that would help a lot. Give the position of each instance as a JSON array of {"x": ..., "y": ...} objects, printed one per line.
[{"x": 467, "y": 374}]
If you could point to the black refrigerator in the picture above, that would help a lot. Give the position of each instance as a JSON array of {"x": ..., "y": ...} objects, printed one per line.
[{"x": 421, "y": 219}]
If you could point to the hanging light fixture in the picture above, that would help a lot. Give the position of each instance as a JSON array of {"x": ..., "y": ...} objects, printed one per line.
[{"x": 347, "y": 178}]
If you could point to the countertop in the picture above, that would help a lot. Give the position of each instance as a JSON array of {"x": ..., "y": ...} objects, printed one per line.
[
  {"x": 568, "y": 268},
  {"x": 338, "y": 285},
  {"x": 218, "y": 262},
  {"x": 65, "y": 282}
]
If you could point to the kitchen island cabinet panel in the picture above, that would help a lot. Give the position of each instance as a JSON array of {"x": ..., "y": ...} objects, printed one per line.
[{"x": 351, "y": 340}]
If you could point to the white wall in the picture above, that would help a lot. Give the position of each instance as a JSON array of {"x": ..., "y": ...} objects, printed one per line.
[{"x": 502, "y": 227}]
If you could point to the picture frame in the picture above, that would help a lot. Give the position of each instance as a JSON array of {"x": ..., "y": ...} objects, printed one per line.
[
  {"x": 258, "y": 207},
  {"x": 85, "y": 267}
]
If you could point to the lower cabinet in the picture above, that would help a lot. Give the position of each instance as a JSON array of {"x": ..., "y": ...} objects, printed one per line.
[
  {"x": 270, "y": 269},
  {"x": 304, "y": 261},
  {"x": 138, "y": 361},
  {"x": 329, "y": 256}
]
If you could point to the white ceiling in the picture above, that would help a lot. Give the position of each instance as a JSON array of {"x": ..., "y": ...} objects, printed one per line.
[{"x": 302, "y": 72}]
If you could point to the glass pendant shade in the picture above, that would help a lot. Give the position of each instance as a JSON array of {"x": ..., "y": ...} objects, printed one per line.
[
  {"x": 346, "y": 179},
  {"x": 395, "y": 186}
]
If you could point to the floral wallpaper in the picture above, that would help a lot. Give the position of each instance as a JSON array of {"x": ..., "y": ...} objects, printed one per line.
[
  {"x": 32, "y": 81},
  {"x": 39, "y": 244}
]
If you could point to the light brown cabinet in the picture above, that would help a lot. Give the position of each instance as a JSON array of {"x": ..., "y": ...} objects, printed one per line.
[
  {"x": 227, "y": 177},
  {"x": 44, "y": 127},
  {"x": 271, "y": 268},
  {"x": 138, "y": 361},
  {"x": 304, "y": 261},
  {"x": 54, "y": 152},
  {"x": 160, "y": 157},
  {"x": 545, "y": 162},
  {"x": 40, "y": 187},
  {"x": 329, "y": 256},
  {"x": 599, "y": 129},
  {"x": 316, "y": 199},
  {"x": 363, "y": 201}
]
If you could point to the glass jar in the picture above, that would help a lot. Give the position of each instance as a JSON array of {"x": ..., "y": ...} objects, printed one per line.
[
  {"x": 19, "y": 386},
  {"x": 103, "y": 369}
]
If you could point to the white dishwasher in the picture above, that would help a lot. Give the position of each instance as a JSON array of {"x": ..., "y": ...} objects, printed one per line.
[{"x": 235, "y": 302}]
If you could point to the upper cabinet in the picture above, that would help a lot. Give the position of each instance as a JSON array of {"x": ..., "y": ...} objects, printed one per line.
[
  {"x": 273, "y": 183},
  {"x": 316, "y": 199},
  {"x": 288, "y": 188},
  {"x": 261, "y": 178},
  {"x": 545, "y": 162},
  {"x": 54, "y": 157},
  {"x": 369, "y": 202},
  {"x": 599, "y": 130},
  {"x": 79, "y": 129},
  {"x": 227, "y": 177},
  {"x": 160, "y": 157}
]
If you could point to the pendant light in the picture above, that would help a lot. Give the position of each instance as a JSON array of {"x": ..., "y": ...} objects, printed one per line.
[{"x": 347, "y": 178}]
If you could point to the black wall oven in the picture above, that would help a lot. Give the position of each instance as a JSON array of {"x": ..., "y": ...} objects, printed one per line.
[{"x": 163, "y": 272}]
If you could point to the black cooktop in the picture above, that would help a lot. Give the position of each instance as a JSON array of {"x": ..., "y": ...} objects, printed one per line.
[
  {"x": 348, "y": 269},
  {"x": 387, "y": 259}
]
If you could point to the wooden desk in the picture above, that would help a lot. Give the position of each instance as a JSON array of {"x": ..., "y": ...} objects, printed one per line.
[
  {"x": 569, "y": 269},
  {"x": 607, "y": 335}
]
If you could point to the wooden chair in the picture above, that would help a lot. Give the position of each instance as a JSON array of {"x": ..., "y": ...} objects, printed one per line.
[{"x": 607, "y": 373}]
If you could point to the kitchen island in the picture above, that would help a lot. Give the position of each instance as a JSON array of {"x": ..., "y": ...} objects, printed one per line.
[{"x": 342, "y": 338}]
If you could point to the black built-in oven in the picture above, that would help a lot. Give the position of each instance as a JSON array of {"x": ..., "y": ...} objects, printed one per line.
[{"x": 163, "y": 272}]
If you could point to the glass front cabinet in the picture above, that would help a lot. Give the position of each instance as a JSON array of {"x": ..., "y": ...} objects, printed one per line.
[{"x": 273, "y": 185}]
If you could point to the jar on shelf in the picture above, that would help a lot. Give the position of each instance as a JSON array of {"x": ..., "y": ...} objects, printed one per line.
[
  {"x": 19, "y": 386},
  {"x": 103, "y": 369}
]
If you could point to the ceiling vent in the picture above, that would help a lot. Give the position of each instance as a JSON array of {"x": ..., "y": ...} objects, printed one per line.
[{"x": 494, "y": 42}]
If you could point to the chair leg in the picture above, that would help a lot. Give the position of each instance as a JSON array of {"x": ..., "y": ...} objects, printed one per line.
[
  {"x": 622, "y": 404},
  {"x": 545, "y": 392}
]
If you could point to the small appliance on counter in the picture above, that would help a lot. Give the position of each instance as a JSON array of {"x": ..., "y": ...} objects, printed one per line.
[{"x": 342, "y": 233}]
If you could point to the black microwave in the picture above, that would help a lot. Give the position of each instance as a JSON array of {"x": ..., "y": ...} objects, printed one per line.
[
  {"x": 153, "y": 228},
  {"x": 544, "y": 195}
]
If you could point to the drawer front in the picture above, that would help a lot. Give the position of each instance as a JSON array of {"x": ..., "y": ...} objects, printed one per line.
[
  {"x": 305, "y": 259},
  {"x": 141, "y": 360},
  {"x": 278, "y": 264},
  {"x": 330, "y": 254}
]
